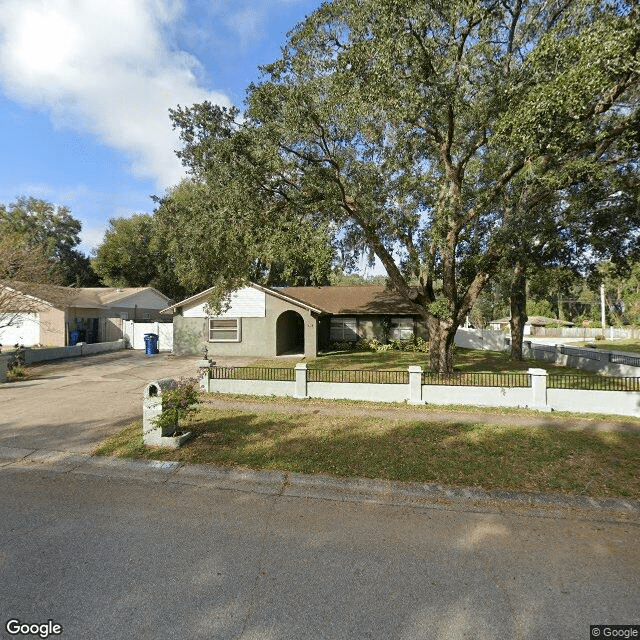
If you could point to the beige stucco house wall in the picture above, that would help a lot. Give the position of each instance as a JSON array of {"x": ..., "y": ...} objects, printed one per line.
[
  {"x": 258, "y": 322},
  {"x": 268, "y": 322}
]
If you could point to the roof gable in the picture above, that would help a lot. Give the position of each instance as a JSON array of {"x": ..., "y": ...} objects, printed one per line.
[{"x": 278, "y": 293}]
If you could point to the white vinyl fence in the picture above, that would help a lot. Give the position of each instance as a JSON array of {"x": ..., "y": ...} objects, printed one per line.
[
  {"x": 606, "y": 362},
  {"x": 134, "y": 332}
]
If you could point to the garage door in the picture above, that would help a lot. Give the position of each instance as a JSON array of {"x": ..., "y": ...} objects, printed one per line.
[{"x": 24, "y": 330}]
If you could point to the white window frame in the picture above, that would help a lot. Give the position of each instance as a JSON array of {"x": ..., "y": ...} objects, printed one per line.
[
  {"x": 238, "y": 330},
  {"x": 400, "y": 327},
  {"x": 343, "y": 329}
]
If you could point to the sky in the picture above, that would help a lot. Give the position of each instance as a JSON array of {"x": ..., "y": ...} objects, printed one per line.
[{"x": 86, "y": 85}]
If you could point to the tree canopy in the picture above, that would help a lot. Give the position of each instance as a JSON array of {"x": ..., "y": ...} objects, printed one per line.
[
  {"x": 133, "y": 254},
  {"x": 20, "y": 263},
  {"x": 49, "y": 229},
  {"x": 425, "y": 133},
  {"x": 218, "y": 237}
]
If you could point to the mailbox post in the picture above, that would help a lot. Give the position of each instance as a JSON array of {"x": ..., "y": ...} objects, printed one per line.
[{"x": 152, "y": 434}]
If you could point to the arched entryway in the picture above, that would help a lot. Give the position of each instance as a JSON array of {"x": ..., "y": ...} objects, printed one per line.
[{"x": 289, "y": 333}]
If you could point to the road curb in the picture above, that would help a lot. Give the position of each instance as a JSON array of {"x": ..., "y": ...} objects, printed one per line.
[{"x": 297, "y": 485}]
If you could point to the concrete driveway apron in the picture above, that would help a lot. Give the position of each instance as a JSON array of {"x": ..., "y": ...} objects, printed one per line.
[{"x": 74, "y": 404}]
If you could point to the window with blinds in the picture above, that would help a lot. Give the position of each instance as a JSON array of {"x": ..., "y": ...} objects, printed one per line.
[
  {"x": 343, "y": 330},
  {"x": 224, "y": 329}
]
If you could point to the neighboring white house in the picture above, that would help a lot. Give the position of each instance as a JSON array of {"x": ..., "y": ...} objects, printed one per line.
[{"x": 95, "y": 313}]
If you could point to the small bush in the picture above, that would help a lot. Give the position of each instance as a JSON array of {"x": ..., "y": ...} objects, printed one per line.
[
  {"x": 342, "y": 346},
  {"x": 15, "y": 373},
  {"x": 17, "y": 358},
  {"x": 365, "y": 345},
  {"x": 178, "y": 404}
]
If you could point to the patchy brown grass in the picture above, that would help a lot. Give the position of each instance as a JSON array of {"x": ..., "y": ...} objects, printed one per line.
[{"x": 507, "y": 457}]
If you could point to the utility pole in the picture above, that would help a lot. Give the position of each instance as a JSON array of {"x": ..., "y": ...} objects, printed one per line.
[{"x": 603, "y": 316}]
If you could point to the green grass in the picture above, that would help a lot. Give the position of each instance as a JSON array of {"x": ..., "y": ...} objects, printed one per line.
[
  {"x": 631, "y": 346},
  {"x": 466, "y": 360},
  {"x": 558, "y": 416},
  {"x": 461, "y": 453}
]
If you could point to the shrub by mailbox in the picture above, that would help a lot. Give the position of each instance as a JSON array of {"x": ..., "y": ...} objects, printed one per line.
[{"x": 152, "y": 434}]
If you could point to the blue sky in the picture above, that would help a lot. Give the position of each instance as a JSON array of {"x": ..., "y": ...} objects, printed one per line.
[{"x": 85, "y": 88}]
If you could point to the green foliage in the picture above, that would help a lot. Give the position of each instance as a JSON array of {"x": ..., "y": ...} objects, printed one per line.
[
  {"x": 133, "y": 254},
  {"x": 51, "y": 230},
  {"x": 632, "y": 310},
  {"x": 435, "y": 136},
  {"x": 338, "y": 278},
  {"x": 217, "y": 236},
  {"x": 177, "y": 405},
  {"x": 373, "y": 344},
  {"x": 539, "y": 308}
]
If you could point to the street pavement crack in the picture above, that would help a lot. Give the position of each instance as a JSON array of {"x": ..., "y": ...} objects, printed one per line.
[{"x": 261, "y": 571}]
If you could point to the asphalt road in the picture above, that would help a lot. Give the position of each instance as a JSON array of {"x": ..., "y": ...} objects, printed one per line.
[
  {"x": 133, "y": 552},
  {"x": 118, "y": 549}
]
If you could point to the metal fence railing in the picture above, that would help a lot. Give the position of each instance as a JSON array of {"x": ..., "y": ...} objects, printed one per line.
[
  {"x": 588, "y": 354},
  {"x": 618, "y": 358},
  {"x": 592, "y": 383},
  {"x": 478, "y": 379},
  {"x": 460, "y": 379},
  {"x": 543, "y": 348},
  {"x": 281, "y": 374},
  {"x": 358, "y": 375}
]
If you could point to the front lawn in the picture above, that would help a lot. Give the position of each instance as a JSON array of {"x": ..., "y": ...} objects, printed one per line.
[
  {"x": 631, "y": 346},
  {"x": 458, "y": 453},
  {"x": 466, "y": 360}
]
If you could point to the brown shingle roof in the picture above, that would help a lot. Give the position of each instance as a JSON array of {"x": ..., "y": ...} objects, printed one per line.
[{"x": 359, "y": 300}]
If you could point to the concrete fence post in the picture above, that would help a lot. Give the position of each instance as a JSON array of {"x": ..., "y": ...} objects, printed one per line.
[
  {"x": 301, "y": 380},
  {"x": 415, "y": 384},
  {"x": 3, "y": 368},
  {"x": 539, "y": 389}
]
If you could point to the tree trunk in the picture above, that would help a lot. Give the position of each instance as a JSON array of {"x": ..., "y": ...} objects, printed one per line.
[
  {"x": 518, "y": 302},
  {"x": 441, "y": 341}
]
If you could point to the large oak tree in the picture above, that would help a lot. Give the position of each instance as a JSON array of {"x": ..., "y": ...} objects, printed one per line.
[{"x": 412, "y": 128}]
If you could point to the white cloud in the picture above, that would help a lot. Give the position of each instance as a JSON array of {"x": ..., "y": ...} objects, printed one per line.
[
  {"x": 105, "y": 67},
  {"x": 247, "y": 23}
]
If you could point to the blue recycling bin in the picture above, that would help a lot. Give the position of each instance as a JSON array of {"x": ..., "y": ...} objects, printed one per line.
[
  {"x": 151, "y": 344},
  {"x": 74, "y": 336}
]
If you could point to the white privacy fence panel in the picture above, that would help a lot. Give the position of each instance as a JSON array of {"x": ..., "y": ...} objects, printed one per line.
[
  {"x": 134, "y": 332},
  {"x": 24, "y": 329}
]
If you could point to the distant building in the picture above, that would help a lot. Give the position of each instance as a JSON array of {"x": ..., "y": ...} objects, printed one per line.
[{"x": 48, "y": 314}]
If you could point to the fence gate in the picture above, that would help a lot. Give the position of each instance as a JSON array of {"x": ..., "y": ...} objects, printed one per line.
[{"x": 135, "y": 331}]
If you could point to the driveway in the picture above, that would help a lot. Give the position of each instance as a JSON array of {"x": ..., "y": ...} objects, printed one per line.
[{"x": 71, "y": 405}]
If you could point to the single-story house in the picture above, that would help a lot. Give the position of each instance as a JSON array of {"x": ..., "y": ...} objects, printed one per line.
[
  {"x": 47, "y": 314},
  {"x": 530, "y": 326},
  {"x": 267, "y": 322}
]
